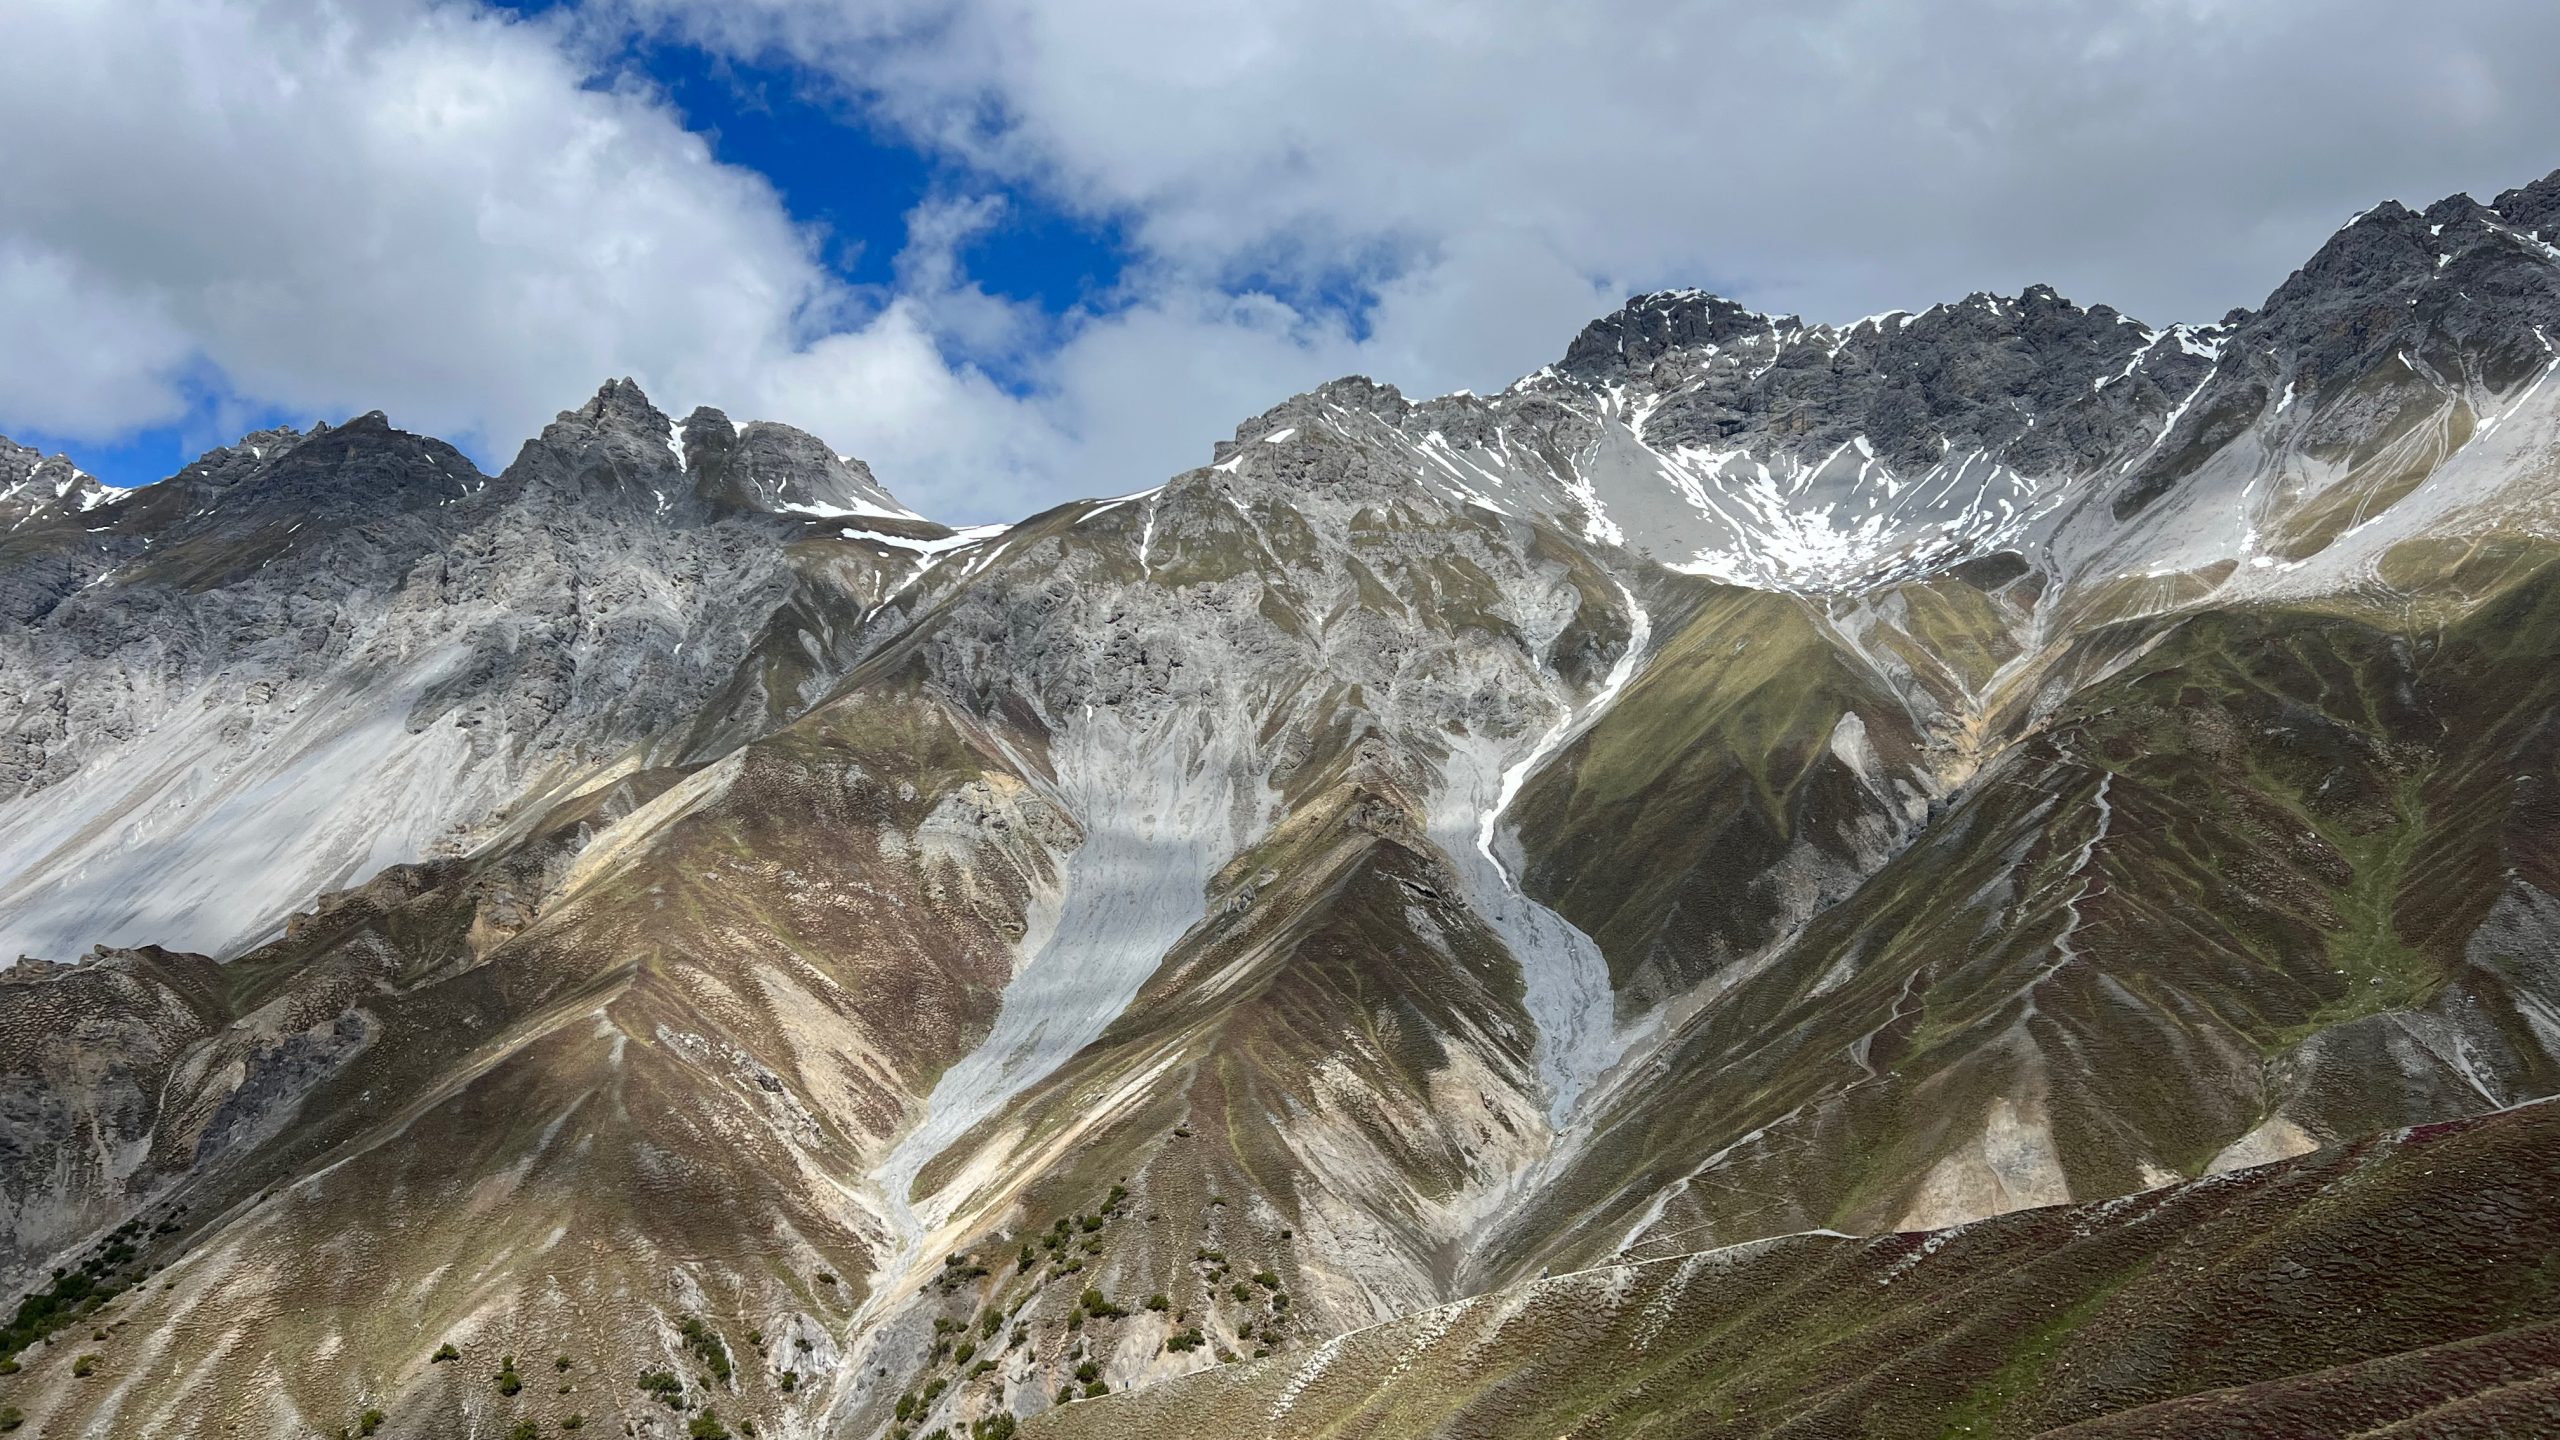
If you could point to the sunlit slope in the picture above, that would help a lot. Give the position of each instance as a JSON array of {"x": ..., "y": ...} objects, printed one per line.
[
  {"x": 2281, "y": 878},
  {"x": 2399, "y": 1285}
]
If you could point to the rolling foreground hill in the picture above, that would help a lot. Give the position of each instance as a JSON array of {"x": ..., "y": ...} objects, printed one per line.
[{"x": 1990, "y": 870}]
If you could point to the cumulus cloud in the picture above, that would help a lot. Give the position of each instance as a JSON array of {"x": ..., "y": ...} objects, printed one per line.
[
  {"x": 1835, "y": 156},
  {"x": 332, "y": 205}
]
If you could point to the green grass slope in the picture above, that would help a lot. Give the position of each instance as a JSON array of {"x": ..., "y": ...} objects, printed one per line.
[{"x": 2401, "y": 1285}]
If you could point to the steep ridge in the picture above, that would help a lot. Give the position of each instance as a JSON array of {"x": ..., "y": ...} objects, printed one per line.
[{"x": 1745, "y": 778}]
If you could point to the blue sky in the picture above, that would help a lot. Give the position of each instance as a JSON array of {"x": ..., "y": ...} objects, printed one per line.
[{"x": 1011, "y": 252}]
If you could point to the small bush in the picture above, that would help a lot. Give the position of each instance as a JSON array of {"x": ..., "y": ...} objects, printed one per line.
[
  {"x": 707, "y": 1426},
  {"x": 561, "y": 1364},
  {"x": 85, "y": 1366},
  {"x": 525, "y": 1430},
  {"x": 1159, "y": 1301},
  {"x": 994, "y": 1427},
  {"x": 790, "y": 1381},
  {"x": 509, "y": 1382},
  {"x": 443, "y": 1353},
  {"x": 1088, "y": 1372},
  {"x": 370, "y": 1421},
  {"x": 707, "y": 1345},
  {"x": 573, "y": 1421},
  {"x": 664, "y": 1387},
  {"x": 1096, "y": 1390},
  {"x": 11, "y": 1418}
]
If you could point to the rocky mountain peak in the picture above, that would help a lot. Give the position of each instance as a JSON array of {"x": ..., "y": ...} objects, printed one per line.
[
  {"x": 2535, "y": 207},
  {"x": 35, "y": 486},
  {"x": 1650, "y": 326},
  {"x": 776, "y": 469}
]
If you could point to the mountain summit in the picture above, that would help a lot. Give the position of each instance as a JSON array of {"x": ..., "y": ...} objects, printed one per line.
[{"x": 1480, "y": 916}]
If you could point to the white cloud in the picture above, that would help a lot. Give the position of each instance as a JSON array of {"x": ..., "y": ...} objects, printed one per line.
[
  {"x": 2173, "y": 156},
  {"x": 422, "y": 207},
  {"x": 83, "y": 356}
]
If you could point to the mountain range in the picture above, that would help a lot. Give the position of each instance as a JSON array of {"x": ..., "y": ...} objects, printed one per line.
[{"x": 1992, "y": 870}]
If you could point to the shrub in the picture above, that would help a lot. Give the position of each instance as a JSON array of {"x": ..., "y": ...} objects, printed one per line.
[
  {"x": 509, "y": 1382},
  {"x": 1088, "y": 1223},
  {"x": 561, "y": 1364},
  {"x": 443, "y": 1353},
  {"x": 1266, "y": 1279},
  {"x": 1190, "y": 1339},
  {"x": 1096, "y": 1389},
  {"x": 85, "y": 1366},
  {"x": 706, "y": 1344},
  {"x": 11, "y": 1418},
  {"x": 370, "y": 1421},
  {"x": 525, "y": 1430},
  {"x": 1088, "y": 1372},
  {"x": 573, "y": 1421},
  {"x": 968, "y": 1351},
  {"x": 707, "y": 1426},
  {"x": 790, "y": 1381},
  {"x": 1159, "y": 1301},
  {"x": 664, "y": 1387},
  {"x": 994, "y": 1427}
]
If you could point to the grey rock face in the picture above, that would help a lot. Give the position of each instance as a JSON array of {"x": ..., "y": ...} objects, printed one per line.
[{"x": 354, "y": 637}]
